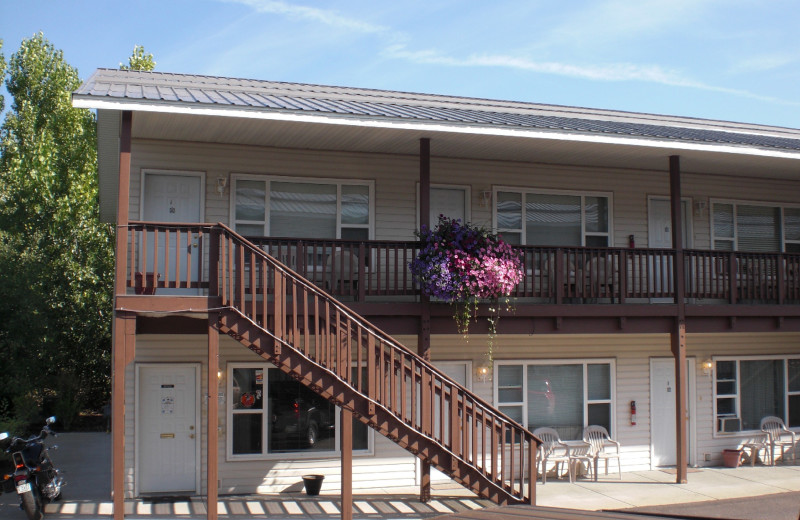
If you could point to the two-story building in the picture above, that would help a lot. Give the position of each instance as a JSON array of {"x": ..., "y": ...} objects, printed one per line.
[{"x": 661, "y": 258}]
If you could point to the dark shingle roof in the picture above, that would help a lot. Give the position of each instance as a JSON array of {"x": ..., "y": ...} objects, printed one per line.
[{"x": 269, "y": 96}]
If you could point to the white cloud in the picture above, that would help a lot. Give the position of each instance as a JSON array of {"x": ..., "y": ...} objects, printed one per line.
[
  {"x": 314, "y": 14},
  {"x": 763, "y": 63},
  {"x": 605, "y": 72},
  {"x": 597, "y": 23}
]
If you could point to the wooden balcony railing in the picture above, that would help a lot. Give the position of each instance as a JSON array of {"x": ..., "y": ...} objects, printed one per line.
[{"x": 169, "y": 258}]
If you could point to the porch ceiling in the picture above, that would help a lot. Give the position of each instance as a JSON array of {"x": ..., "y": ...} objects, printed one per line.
[{"x": 465, "y": 142}]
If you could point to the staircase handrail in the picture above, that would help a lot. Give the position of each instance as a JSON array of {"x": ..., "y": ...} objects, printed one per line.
[{"x": 372, "y": 329}]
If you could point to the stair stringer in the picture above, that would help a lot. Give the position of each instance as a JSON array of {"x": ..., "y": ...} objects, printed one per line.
[{"x": 330, "y": 386}]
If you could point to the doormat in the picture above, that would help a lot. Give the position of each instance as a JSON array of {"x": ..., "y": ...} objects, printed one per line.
[
  {"x": 674, "y": 471},
  {"x": 166, "y": 499}
]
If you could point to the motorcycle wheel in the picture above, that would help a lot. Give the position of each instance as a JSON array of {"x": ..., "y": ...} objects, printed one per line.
[
  {"x": 311, "y": 435},
  {"x": 32, "y": 504}
]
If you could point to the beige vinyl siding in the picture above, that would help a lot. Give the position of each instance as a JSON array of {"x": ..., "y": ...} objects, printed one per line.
[
  {"x": 706, "y": 346},
  {"x": 631, "y": 354},
  {"x": 396, "y": 179},
  {"x": 388, "y": 466}
]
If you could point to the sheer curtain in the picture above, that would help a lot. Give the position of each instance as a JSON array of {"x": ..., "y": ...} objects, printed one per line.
[
  {"x": 762, "y": 391},
  {"x": 555, "y": 398}
]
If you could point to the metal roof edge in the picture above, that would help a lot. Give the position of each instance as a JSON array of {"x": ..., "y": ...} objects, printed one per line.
[
  {"x": 93, "y": 102},
  {"x": 308, "y": 90}
]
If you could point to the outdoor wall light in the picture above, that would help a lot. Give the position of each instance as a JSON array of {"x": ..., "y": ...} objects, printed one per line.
[
  {"x": 485, "y": 198},
  {"x": 708, "y": 366},
  {"x": 222, "y": 183},
  {"x": 483, "y": 373}
]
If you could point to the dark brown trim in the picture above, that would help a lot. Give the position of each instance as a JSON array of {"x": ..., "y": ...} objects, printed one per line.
[
  {"x": 346, "y": 444},
  {"x": 123, "y": 353},
  {"x": 678, "y": 334},
  {"x": 425, "y": 182},
  {"x": 424, "y": 334},
  {"x": 124, "y": 328},
  {"x": 185, "y": 305},
  {"x": 123, "y": 198},
  {"x": 212, "y": 435}
]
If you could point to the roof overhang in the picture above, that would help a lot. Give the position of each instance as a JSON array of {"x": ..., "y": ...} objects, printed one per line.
[{"x": 336, "y": 132}]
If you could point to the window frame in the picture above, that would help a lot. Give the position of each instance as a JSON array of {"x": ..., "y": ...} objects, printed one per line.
[
  {"x": 572, "y": 193},
  {"x": 611, "y": 401},
  {"x": 735, "y": 203},
  {"x": 265, "y": 454},
  {"x": 267, "y": 179},
  {"x": 738, "y": 395}
]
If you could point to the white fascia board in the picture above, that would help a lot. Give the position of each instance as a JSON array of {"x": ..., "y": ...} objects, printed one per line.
[{"x": 232, "y": 111}]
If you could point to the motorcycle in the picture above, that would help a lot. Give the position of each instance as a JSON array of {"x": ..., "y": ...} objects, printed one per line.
[{"x": 35, "y": 478}]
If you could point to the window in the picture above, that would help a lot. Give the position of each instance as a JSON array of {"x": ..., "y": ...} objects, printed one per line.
[
  {"x": 749, "y": 389},
  {"x": 553, "y": 219},
  {"x": 284, "y": 207},
  {"x": 564, "y": 395},
  {"x": 755, "y": 227},
  {"x": 452, "y": 201},
  {"x": 270, "y": 413}
]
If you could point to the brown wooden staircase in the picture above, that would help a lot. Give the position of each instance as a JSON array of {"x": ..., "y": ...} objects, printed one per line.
[{"x": 309, "y": 335}]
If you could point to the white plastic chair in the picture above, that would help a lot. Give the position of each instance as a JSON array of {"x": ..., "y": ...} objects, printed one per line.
[
  {"x": 779, "y": 437},
  {"x": 603, "y": 447},
  {"x": 552, "y": 449}
]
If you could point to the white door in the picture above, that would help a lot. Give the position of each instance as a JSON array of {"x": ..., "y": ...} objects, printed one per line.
[
  {"x": 173, "y": 197},
  {"x": 659, "y": 236},
  {"x": 167, "y": 442},
  {"x": 663, "y": 426}
]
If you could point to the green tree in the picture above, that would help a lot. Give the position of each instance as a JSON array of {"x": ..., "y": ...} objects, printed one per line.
[
  {"x": 2, "y": 73},
  {"x": 139, "y": 60},
  {"x": 56, "y": 257}
]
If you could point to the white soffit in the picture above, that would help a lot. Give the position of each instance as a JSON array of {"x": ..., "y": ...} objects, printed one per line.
[{"x": 674, "y": 146}]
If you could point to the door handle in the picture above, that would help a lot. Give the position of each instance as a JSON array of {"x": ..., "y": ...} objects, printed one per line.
[{"x": 191, "y": 436}]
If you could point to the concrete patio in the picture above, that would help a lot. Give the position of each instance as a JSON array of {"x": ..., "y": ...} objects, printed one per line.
[{"x": 84, "y": 458}]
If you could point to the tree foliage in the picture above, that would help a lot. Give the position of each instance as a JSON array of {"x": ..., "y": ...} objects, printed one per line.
[
  {"x": 56, "y": 257},
  {"x": 2, "y": 74},
  {"x": 139, "y": 60}
]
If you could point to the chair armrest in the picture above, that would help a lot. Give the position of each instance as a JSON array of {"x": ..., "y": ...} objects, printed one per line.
[{"x": 614, "y": 443}]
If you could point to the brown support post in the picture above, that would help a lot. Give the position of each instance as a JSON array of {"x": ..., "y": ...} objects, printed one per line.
[
  {"x": 124, "y": 327},
  {"x": 424, "y": 340},
  {"x": 425, "y": 181},
  {"x": 124, "y": 330},
  {"x": 212, "y": 459},
  {"x": 533, "y": 465},
  {"x": 678, "y": 333},
  {"x": 347, "y": 463}
]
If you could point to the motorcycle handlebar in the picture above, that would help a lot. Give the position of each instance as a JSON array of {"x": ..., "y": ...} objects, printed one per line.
[{"x": 42, "y": 436}]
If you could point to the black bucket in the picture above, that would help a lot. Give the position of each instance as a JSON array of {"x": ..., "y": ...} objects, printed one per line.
[{"x": 313, "y": 484}]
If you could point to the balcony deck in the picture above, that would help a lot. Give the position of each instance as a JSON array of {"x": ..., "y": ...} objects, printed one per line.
[{"x": 559, "y": 283}]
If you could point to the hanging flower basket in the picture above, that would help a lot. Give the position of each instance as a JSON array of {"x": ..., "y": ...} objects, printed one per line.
[{"x": 463, "y": 264}]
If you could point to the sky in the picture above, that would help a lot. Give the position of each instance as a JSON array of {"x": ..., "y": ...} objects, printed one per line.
[{"x": 731, "y": 60}]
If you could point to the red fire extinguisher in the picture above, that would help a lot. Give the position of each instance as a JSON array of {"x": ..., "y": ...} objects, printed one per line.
[
  {"x": 633, "y": 413},
  {"x": 631, "y": 241}
]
